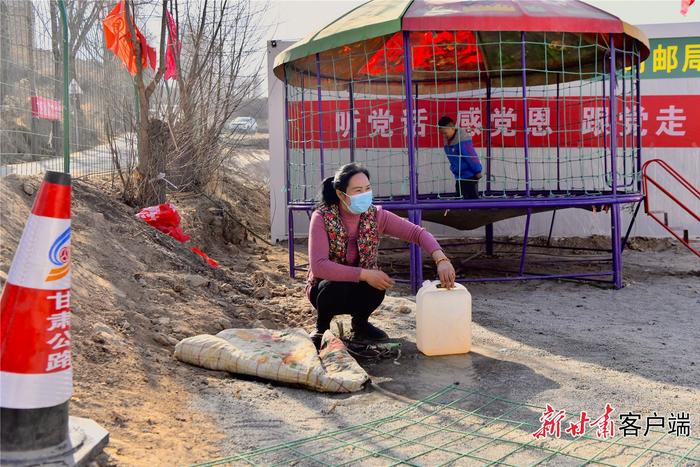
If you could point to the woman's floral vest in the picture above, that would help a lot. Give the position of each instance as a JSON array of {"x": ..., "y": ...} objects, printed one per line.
[{"x": 367, "y": 237}]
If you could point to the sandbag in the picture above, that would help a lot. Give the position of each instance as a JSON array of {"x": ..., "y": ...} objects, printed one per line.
[{"x": 287, "y": 356}]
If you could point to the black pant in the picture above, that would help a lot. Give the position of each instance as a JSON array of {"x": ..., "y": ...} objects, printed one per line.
[
  {"x": 358, "y": 299},
  {"x": 467, "y": 189}
]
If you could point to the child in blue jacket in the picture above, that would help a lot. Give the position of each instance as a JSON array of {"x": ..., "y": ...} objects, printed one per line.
[{"x": 464, "y": 161}]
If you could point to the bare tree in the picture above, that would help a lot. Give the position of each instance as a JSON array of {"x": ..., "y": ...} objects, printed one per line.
[
  {"x": 217, "y": 70},
  {"x": 151, "y": 154}
]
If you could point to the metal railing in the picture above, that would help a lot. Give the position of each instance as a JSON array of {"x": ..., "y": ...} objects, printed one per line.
[
  {"x": 647, "y": 179},
  {"x": 58, "y": 87}
]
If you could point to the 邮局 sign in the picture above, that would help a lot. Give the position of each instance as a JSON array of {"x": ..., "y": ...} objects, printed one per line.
[{"x": 672, "y": 57}]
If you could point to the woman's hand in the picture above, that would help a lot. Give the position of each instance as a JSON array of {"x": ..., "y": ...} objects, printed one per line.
[
  {"x": 377, "y": 279},
  {"x": 446, "y": 272}
]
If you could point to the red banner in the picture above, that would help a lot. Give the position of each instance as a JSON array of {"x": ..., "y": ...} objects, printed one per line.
[
  {"x": 567, "y": 122},
  {"x": 45, "y": 108}
]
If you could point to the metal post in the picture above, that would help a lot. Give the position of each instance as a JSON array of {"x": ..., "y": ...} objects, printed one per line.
[
  {"x": 629, "y": 228},
  {"x": 488, "y": 135},
  {"x": 412, "y": 256},
  {"x": 66, "y": 101},
  {"x": 615, "y": 209},
  {"x": 624, "y": 120},
  {"x": 605, "y": 126},
  {"x": 290, "y": 242},
  {"x": 417, "y": 218},
  {"x": 489, "y": 227},
  {"x": 525, "y": 152},
  {"x": 410, "y": 130},
  {"x": 415, "y": 125},
  {"x": 525, "y": 238},
  {"x": 558, "y": 139},
  {"x": 303, "y": 136},
  {"x": 551, "y": 228},
  {"x": 320, "y": 114},
  {"x": 415, "y": 256},
  {"x": 351, "y": 98},
  {"x": 489, "y": 239},
  {"x": 639, "y": 123},
  {"x": 525, "y": 129},
  {"x": 290, "y": 212},
  {"x": 414, "y": 216}
]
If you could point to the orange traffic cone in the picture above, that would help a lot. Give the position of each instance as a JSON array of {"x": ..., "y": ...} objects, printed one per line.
[{"x": 36, "y": 379}]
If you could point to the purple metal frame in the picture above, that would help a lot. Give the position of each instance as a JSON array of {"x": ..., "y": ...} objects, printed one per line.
[
  {"x": 605, "y": 120},
  {"x": 303, "y": 132},
  {"x": 624, "y": 119},
  {"x": 529, "y": 199},
  {"x": 489, "y": 227},
  {"x": 615, "y": 209},
  {"x": 351, "y": 99},
  {"x": 639, "y": 119},
  {"x": 492, "y": 203},
  {"x": 290, "y": 214},
  {"x": 320, "y": 115},
  {"x": 414, "y": 216},
  {"x": 558, "y": 138},
  {"x": 526, "y": 149}
]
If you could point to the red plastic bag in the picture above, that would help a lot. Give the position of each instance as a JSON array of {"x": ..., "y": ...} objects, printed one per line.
[{"x": 165, "y": 218}]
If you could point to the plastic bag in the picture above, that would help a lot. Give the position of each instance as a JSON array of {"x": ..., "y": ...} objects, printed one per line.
[
  {"x": 211, "y": 262},
  {"x": 165, "y": 218}
]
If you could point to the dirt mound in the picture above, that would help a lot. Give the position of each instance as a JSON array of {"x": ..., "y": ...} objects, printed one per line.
[{"x": 136, "y": 292}]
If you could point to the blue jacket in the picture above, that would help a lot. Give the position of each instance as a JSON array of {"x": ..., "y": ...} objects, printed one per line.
[{"x": 464, "y": 161}]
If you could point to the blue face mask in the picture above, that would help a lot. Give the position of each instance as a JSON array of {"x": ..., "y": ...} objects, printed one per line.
[{"x": 359, "y": 204}]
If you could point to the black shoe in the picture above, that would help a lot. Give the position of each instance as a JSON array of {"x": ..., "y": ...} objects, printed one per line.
[
  {"x": 368, "y": 331},
  {"x": 316, "y": 337}
]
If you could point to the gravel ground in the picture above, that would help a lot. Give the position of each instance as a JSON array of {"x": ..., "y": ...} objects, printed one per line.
[{"x": 575, "y": 346}]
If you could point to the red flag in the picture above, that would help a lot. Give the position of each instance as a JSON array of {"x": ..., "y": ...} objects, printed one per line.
[
  {"x": 173, "y": 48},
  {"x": 118, "y": 40},
  {"x": 685, "y": 4}
]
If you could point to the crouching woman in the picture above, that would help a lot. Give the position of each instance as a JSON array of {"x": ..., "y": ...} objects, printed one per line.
[{"x": 343, "y": 247}]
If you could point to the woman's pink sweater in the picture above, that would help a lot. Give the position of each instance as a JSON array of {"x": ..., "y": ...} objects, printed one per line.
[{"x": 387, "y": 223}]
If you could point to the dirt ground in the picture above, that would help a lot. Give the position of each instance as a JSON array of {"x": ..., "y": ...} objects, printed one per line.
[{"x": 136, "y": 292}]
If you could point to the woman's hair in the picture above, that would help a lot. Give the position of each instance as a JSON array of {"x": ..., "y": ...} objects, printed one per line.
[{"x": 339, "y": 182}]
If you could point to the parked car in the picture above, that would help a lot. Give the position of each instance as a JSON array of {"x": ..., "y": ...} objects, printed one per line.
[{"x": 242, "y": 125}]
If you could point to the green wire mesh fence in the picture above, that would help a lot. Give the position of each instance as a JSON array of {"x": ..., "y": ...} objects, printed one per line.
[
  {"x": 52, "y": 53},
  {"x": 459, "y": 426}
]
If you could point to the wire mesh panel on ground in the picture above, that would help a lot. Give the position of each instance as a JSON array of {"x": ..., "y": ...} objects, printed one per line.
[
  {"x": 458, "y": 426},
  {"x": 33, "y": 86}
]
